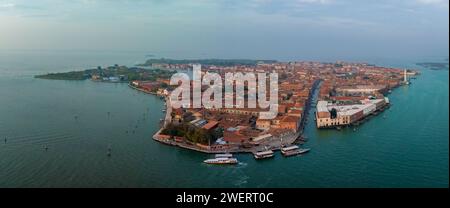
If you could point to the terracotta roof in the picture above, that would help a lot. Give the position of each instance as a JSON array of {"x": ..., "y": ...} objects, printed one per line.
[
  {"x": 290, "y": 119},
  {"x": 210, "y": 125}
]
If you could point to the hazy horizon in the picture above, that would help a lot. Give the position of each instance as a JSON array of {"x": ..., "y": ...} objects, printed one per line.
[{"x": 284, "y": 30}]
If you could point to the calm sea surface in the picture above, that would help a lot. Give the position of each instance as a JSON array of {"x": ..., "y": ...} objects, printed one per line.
[{"x": 407, "y": 148}]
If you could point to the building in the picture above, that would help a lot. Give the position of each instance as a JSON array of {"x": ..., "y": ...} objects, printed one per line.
[
  {"x": 361, "y": 89},
  {"x": 330, "y": 115},
  {"x": 262, "y": 137},
  {"x": 263, "y": 124},
  {"x": 210, "y": 125},
  {"x": 295, "y": 112},
  {"x": 233, "y": 135},
  {"x": 290, "y": 123},
  {"x": 239, "y": 111}
]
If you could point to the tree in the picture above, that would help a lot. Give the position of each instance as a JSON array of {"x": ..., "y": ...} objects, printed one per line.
[{"x": 333, "y": 113}]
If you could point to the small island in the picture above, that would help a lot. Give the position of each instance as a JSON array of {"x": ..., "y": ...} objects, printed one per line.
[
  {"x": 434, "y": 65},
  {"x": 347, "y": 94},
  {"x": 114, "y": 73}
]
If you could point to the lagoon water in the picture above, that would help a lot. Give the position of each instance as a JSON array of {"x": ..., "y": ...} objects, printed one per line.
[{"x": 407, "y": 148}]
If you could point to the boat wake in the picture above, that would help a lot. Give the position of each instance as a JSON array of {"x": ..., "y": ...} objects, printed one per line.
[
  {"x": 242, "y": 164},
  {"x": 241, "y": 181}
]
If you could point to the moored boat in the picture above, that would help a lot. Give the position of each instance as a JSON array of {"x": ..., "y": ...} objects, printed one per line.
[
  {"x": 290, "y": 148},
  {"x": 223, "y": 155},
  {"x": 263, "y": 154},
  {"x": 293, "y": 150}
]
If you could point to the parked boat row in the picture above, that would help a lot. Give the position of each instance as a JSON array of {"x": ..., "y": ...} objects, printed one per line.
[
  {"x": 228, "y": 159},
  {"x": 285, "y": 151}
]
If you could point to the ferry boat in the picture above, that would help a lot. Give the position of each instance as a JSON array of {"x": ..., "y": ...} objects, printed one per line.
[
  {"x": 263, "y": 154},
  {"x": 293, "y": 150},
  {"x": 221, "y": 161},
  {"x": 223, "y": 155}
]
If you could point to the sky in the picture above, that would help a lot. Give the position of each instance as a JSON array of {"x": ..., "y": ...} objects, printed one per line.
[{"x": 271, "y": 29}]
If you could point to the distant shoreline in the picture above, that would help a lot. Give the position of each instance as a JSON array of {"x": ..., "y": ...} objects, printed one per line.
[{"x": 436, "y": 66}]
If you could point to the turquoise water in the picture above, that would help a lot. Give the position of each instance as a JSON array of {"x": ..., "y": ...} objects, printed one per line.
[{"x": 407, "y": 148}]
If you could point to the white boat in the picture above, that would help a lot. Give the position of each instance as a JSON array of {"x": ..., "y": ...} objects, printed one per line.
[
  {"x": 221, "y": 161},
  {"x": 263, "y": 154},
  {"x": 223, "y": 155},
  {"x": 290, "y": 148},
  {"x": 293, "y": 150}
]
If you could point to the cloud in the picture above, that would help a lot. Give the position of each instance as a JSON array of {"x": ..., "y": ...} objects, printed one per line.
[
  {"x": 439, "y": 3},
  {"x": 314, "y": 1},
  {"x": 7, "y": 5},
  {"x": 295, "y": 1},
  {"x": 289, "y": 3}
]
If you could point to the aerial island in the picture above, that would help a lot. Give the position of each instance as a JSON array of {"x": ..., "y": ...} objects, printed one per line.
[
  {"x": 434, "y": 65},
  {"x": 345, "y": 95}
]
